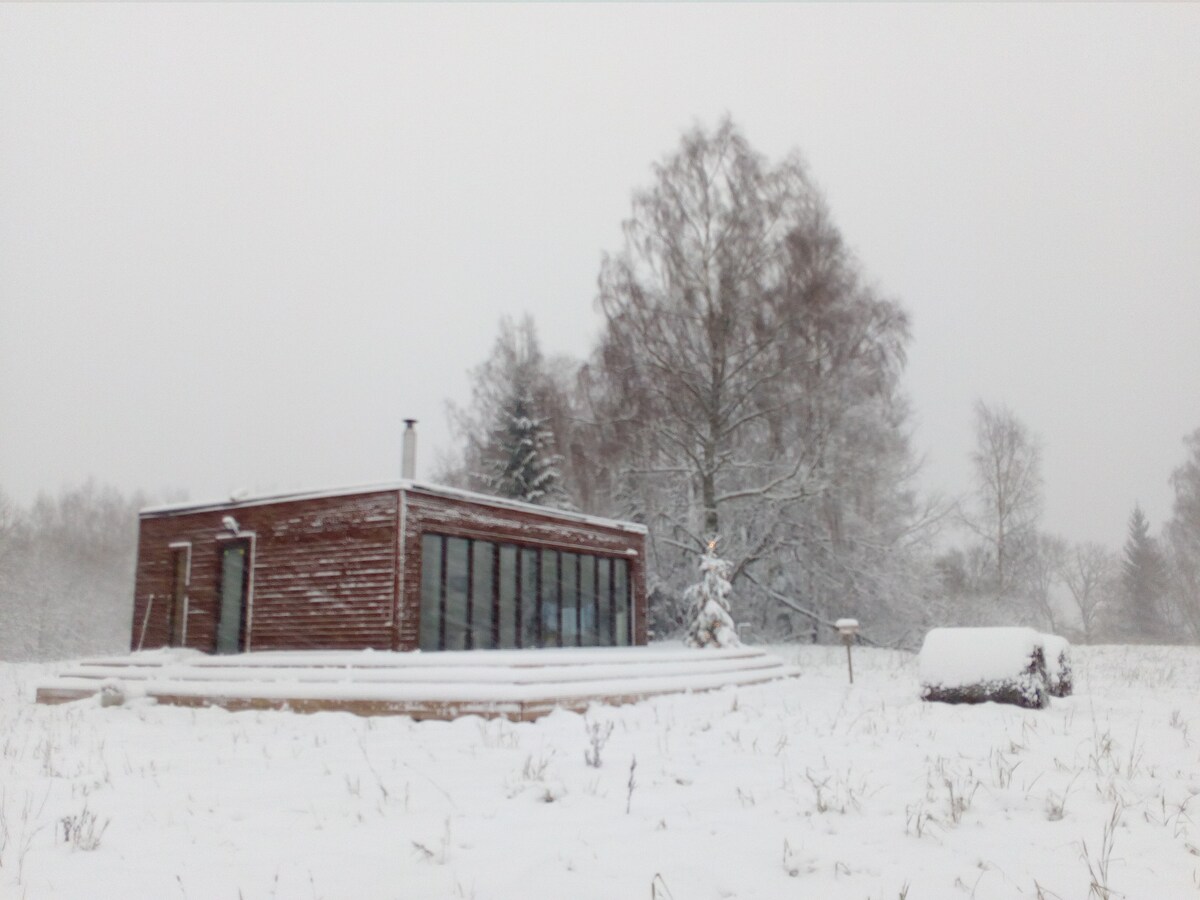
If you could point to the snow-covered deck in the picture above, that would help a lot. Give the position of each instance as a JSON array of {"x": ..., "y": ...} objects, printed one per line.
[{"x": 515, "y": 684}]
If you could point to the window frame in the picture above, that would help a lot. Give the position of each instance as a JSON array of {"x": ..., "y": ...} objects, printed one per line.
[
  {"x": 521, "y": 611},
  {"x": 186, "y": 548},
  {"x": 245, "y": 633}
]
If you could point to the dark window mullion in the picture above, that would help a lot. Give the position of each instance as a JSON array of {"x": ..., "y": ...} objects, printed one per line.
[
  {"x": 627, "y": 602},
  {"x": 470, "y": 635},
  {"x": 496, "y": 595},
  {"x": 518, "y": 598},
  {"x": 558, "y": 571},
  {"x": 612, "y": 602},
  {"x": 539, "y": 624},
  {"x": 596, "y": 600},
  {"x": 580, "y": 562}
]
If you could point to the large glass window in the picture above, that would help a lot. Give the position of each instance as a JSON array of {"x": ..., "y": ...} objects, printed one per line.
[
  {"x": 621, "y": 601},
  {"x": 551, "y": 600},
  {"x": 605, "y": 605},
  {"x": 588, "y": 635},
  {"x": 454, "y": 630},
  {"x": 481, "y": 595},
  {"x": 431, "y": 591},
  {"x": 507, "y": 592},
  {"x": 529, "y": 599},
  {"x": 483, "y": 590},
  {"x": 570, "y": 600}
]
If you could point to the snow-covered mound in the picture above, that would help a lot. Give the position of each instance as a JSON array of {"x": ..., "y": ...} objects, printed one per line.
[{"x": 975, "y": 665}]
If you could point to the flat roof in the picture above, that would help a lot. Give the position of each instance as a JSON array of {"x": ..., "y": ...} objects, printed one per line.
[{"x": 439, "y": 490}]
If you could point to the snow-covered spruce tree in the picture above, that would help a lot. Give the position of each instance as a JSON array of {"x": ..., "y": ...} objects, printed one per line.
[
  {"x": 519, "y": 404},
  {"x": 710, "y": 621},
  {"x": 519, "y": 458},
  {"x": 1140, "y": 613}
]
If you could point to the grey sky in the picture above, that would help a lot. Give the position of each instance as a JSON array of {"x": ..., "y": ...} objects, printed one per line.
[{"x": 239, "y": 243}]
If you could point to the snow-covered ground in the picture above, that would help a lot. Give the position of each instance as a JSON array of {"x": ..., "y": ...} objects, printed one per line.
[{"x": 802, "y": 788}]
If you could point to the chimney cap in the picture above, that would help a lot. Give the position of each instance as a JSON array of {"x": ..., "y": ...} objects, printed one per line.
[{"x": 409, "y": 423}]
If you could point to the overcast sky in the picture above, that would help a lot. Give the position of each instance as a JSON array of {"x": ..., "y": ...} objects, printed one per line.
[{"x": 238, "y": 244}]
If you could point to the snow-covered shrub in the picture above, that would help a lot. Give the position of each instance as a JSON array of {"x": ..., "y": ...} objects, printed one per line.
[
  {"x": 710, "y": 622},
  {"x": 975, "y": 665},
  {"x": 1060, "y": 679}
]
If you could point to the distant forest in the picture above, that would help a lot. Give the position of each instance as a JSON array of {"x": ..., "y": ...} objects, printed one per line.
[
  {"x": 746, "y": 387},
  {"x": 66, "y": 573}
]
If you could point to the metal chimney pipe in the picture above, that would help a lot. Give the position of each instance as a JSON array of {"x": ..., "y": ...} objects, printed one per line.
[{"x": 408, "y": 462}]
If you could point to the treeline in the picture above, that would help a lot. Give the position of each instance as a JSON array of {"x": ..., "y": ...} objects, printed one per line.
[
  {"x": 1008, "y": 569},
  {"x": 746, "y": 386},
  {"x": 66, "y": 573}
]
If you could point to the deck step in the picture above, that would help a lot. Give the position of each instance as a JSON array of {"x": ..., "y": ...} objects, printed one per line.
[{"x": 516, "y": 684}]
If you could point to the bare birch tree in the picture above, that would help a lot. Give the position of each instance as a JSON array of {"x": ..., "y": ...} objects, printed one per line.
[
  {"x": 1089, "y": 571},
  {"x": 1008, "y": 492},
  {"x": 746, "y": 383},
  {"x": 1046, "y": 560}
]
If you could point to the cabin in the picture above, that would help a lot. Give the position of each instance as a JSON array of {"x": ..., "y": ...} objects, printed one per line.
[
  {"x": 403, "y": 566},
  {"x": 297, "y": 602}
]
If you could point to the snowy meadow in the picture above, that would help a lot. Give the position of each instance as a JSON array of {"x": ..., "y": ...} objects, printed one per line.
[{"x": 808, "y": 787}]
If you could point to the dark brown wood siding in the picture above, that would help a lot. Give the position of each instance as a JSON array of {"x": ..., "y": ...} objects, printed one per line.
[
  {"x": 448, "y": 515},
  {"x": 324, "y": 573}
]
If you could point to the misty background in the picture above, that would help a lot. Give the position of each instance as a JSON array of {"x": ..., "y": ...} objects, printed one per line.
[{"x": 239, "y": 245}]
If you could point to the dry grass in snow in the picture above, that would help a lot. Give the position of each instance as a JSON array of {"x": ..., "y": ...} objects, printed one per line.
[{"x": 803, "y": 788}]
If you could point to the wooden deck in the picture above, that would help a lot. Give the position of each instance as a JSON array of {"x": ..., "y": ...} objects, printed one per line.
[{"x": 514, "y": 684}]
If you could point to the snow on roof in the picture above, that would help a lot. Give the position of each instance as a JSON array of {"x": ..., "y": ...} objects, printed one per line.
[
  {"x": 959, "y": 657},
  {"x": 404, "y": 485}
]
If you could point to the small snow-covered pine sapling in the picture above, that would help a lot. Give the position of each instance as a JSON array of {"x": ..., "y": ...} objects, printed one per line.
[{"x": 710, "y": 623}]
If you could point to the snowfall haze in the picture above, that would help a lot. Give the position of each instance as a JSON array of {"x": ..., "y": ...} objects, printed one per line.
[{"x": 240, "y": 244}]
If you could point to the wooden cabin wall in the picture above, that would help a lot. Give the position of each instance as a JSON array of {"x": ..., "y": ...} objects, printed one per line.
[{"x": 325, "y": 573}]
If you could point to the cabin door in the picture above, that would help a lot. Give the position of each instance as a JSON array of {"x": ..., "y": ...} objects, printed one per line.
[{"x": 235, "y": 565}]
